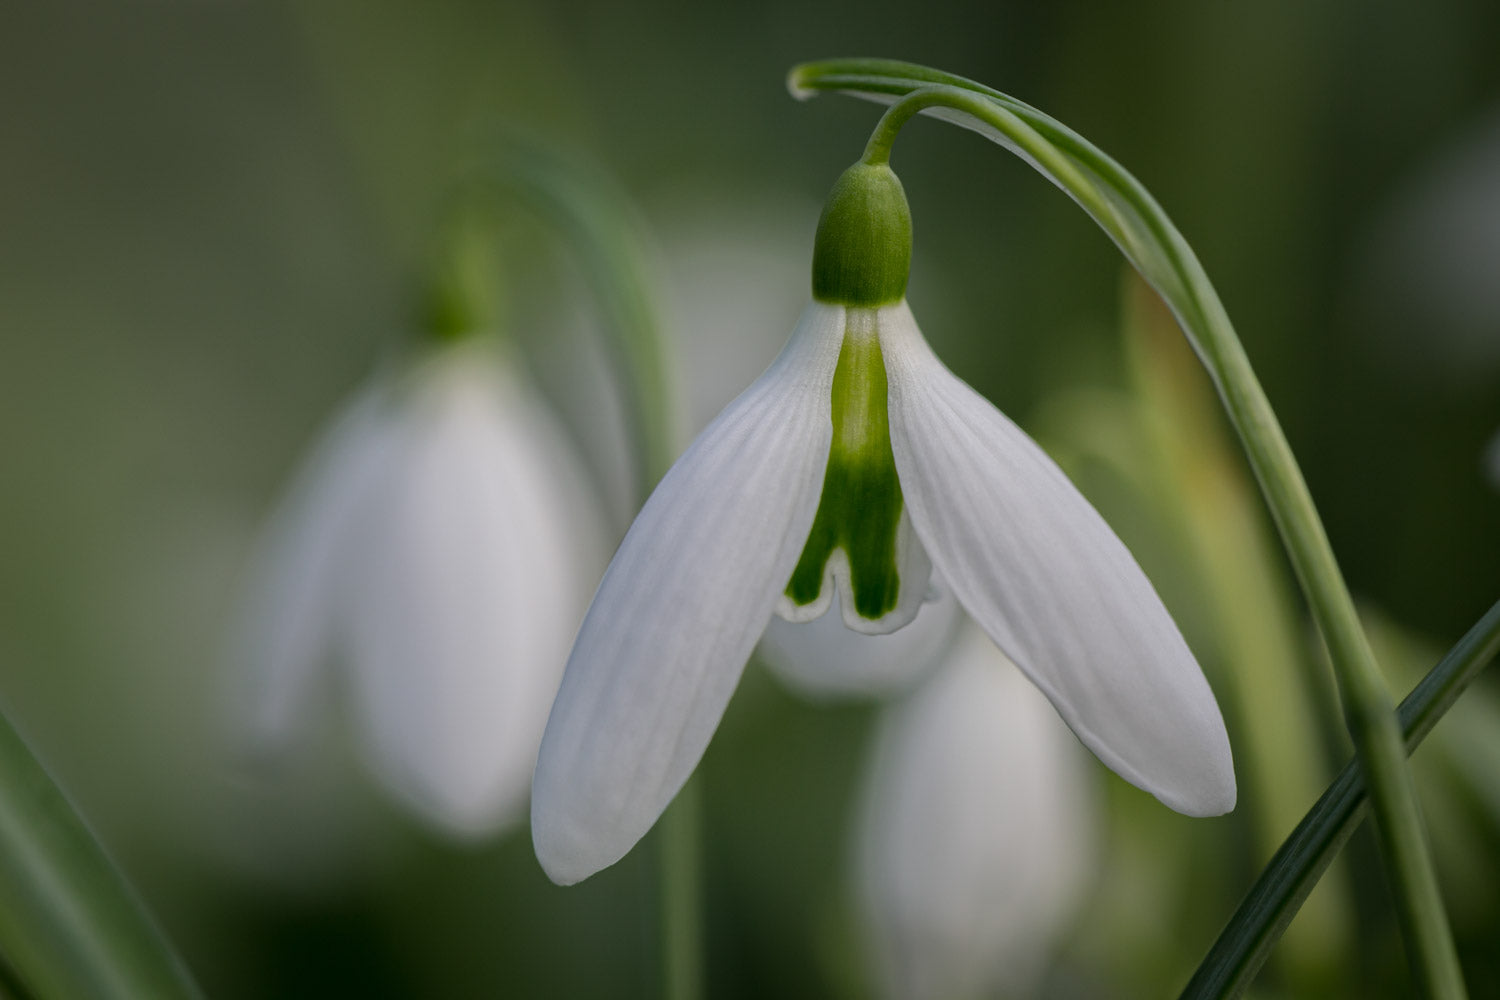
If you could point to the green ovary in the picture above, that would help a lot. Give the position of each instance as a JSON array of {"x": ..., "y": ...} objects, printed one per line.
[{"x": 860, "y": 508}]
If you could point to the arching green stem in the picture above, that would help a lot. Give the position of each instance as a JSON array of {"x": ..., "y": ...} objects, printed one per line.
[
  {"x": 1131, "y": 217},
  {"x": 598, "y": 228}
]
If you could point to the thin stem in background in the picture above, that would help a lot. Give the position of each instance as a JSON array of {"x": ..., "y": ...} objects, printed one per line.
[{"x": 681, "y": 894}]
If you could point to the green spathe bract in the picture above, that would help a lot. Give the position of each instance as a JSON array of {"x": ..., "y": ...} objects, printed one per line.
[
  {"x": 863, "y": 250},
  {"x": 860, "y": 507}
]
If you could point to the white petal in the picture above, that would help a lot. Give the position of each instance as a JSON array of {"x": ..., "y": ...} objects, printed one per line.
[
  {"x": 286, "y": 630},
  {"x": 976, "y": 832},
  {"x": 680, "y": 609},
  {"x": 472, "y": 581},
  {"x": 825, "y": 659},
  {"x": 1043, "y": 574}
]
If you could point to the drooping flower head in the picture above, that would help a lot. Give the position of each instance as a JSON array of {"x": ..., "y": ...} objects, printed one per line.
[{"x": 850, "y": 470}]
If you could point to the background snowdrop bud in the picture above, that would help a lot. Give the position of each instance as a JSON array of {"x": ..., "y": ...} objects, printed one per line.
[
  {"x": 464, "y": 295},
  {"x": 439, "y": 546},
  {"x": 975, "y": 835}
]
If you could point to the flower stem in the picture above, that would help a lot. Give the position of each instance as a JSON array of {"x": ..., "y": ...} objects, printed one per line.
[
  {"x": 1124, "y": 209},
  {"x": 681, "y": 894}
]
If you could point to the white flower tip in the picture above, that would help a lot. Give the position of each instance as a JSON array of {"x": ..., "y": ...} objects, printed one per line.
[
  {"x": 1206, "y": 787},
  {"x": 1220, "y": 804},
  {"x": 566, "y": 854},
  {"x": 579, "y": 827},
  {"x": 560, "y": 870},
  {"x": 1203, "y": 803}
]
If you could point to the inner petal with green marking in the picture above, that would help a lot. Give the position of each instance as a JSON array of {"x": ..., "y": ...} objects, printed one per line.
[{"x": 861, "y": 543}]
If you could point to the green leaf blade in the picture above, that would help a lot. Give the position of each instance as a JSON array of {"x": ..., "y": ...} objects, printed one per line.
[
  {"x": 70, "y": 925},
  {"x": 1254, "y": 928}
]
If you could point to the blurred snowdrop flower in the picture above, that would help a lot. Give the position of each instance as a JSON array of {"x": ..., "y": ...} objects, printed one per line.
[
  {"x": 975, "y": 837},
  {"x": 855, "y": 465},
  {"x": 1428, "y": 263},
  {"x": 439, "y": 545}
]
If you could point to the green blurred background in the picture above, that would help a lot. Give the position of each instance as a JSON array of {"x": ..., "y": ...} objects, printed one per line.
[{"x": 214, "y": 216}]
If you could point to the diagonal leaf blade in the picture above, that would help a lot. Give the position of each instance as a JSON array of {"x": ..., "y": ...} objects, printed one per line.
[
  {"x": 70, "y": 925},
  {"x": 1252, "y": 931}
]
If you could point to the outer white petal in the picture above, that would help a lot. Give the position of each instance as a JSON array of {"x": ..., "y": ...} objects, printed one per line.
[
  {"x": 975, "y": 834},
  {"x": 1043, "y": 574},
  {"x": 825, "y": 659},
  {"x": 472, "y": 581},
  {"x": 286, "y": 631},
  {"x": 680, "y": 609}
]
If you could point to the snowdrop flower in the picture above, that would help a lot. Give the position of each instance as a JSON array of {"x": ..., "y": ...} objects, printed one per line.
[
  {"x": 975, "y": 833},
  {"x": 856, "y": 465},
  {"x": 439, "y": 543}
]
